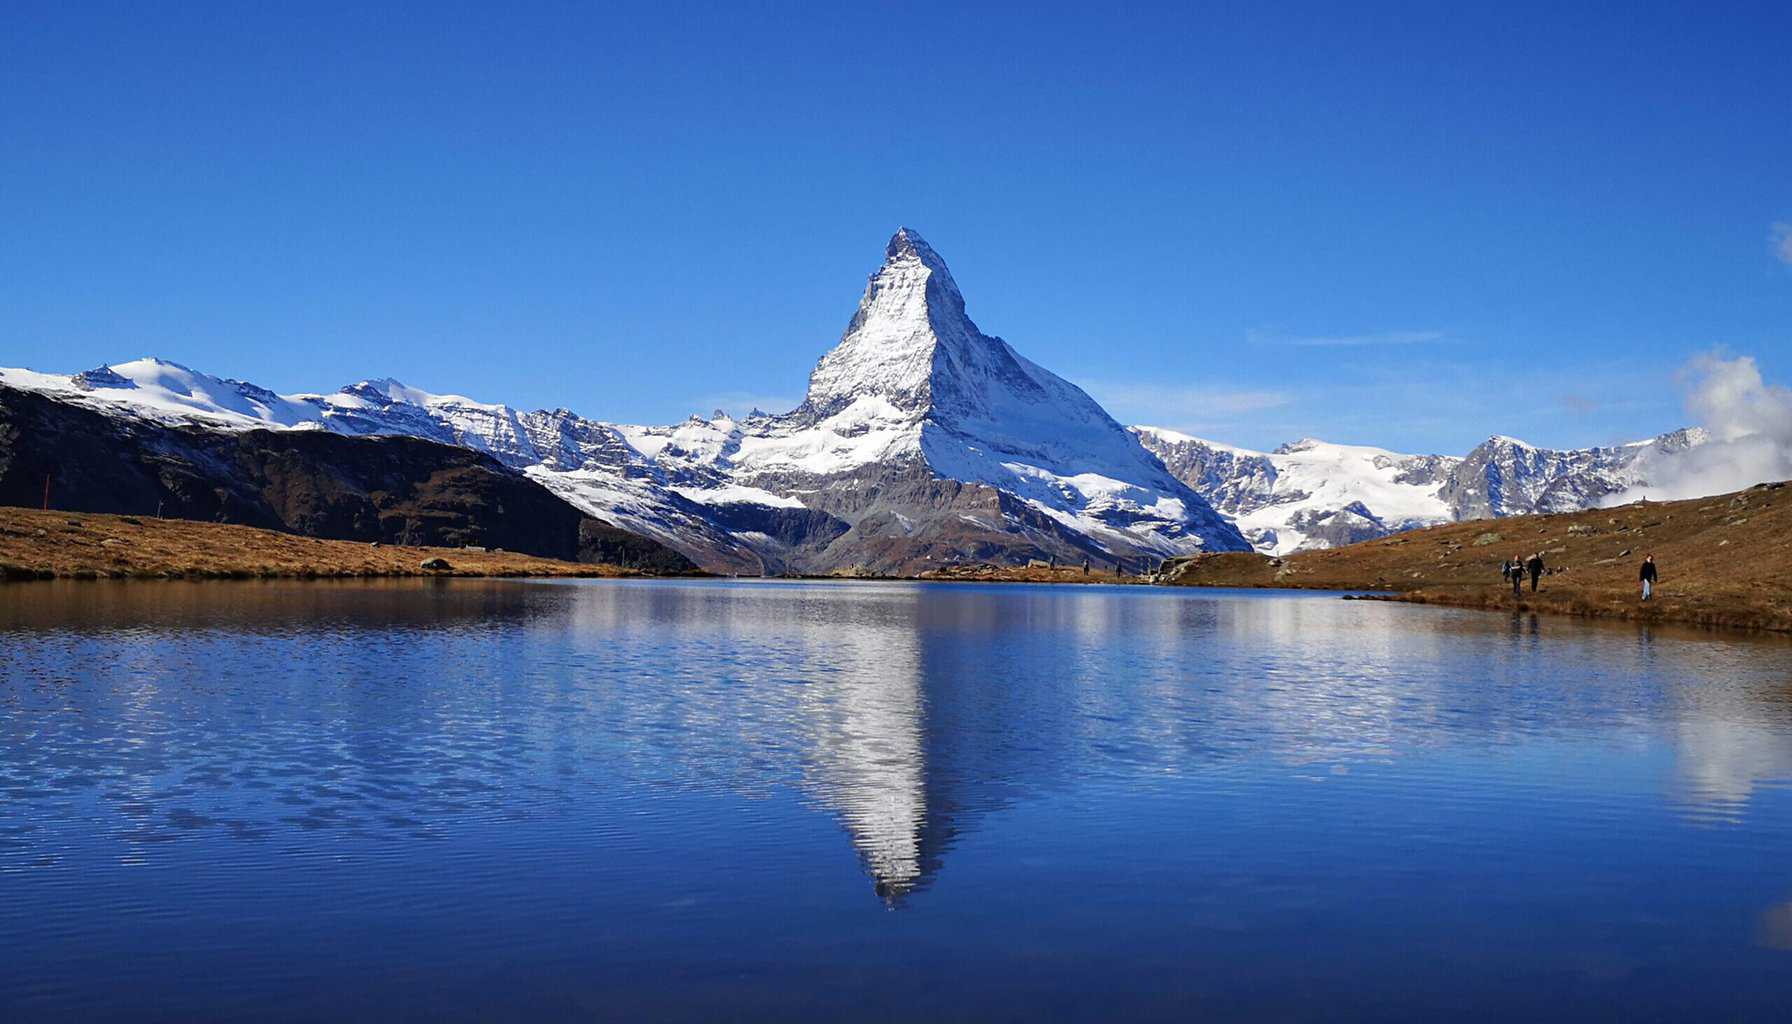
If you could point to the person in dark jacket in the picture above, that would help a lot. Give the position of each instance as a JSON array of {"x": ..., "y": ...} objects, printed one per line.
[
  {"x": 1647, "y": 575},
  {"x": 1515, "y": 573},
  {"x": 1535, "y": 567}
]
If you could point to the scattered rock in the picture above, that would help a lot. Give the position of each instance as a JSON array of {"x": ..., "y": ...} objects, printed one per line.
[
  {"x": 434, "y": 565},
  {"x": 1487, "y": 538},
  {"x": 133, "y": 520}
]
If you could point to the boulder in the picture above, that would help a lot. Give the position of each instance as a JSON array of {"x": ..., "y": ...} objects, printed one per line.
[{"x": 434, "y": 565}]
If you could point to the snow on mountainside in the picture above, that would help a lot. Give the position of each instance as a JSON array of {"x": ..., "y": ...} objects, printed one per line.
[
  {"x": 1505, "y": 476},
  {"x": 588, "y": 463},
  {"x": 921, "y": 441},
  {"x": 915, "y": 394},
  {"x": 1311, "y": 494}
]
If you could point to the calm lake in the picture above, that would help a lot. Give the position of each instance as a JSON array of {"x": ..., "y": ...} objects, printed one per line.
[{"x": 703, "y": 800}]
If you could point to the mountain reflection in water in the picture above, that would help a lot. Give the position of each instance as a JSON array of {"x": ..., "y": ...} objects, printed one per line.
[{"x": 419, "y": 723}]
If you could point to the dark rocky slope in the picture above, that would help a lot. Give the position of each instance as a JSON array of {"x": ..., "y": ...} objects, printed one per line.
[{"x": 314, "y": 483}]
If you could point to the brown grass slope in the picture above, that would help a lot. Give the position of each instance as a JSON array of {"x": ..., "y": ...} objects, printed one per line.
[
  {"x": 1723, "y": 561},
  {"x": 40, "y": 545}
]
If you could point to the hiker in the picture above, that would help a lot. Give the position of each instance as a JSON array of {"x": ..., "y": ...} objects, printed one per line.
[
  {"x": 1647, "y": 575},
  {"x": 1515, "y": 573},
  {"x": 1535, "y": 568}
]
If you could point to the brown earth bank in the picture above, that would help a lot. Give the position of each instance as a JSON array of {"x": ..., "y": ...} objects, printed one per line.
[
  {"x": 46, "y": 545},
  {"x": 1723, "y": 561}
]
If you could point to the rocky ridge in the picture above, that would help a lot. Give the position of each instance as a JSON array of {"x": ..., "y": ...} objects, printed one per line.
[{"x": 1313, "y": 494}]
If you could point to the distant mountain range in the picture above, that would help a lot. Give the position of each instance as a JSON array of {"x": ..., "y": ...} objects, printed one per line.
[
  {"x": 1311, "y": 494},
  {"x": 921, "y": 442}
]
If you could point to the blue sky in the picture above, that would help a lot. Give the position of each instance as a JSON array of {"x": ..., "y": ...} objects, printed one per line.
[{"x": 1386, "y": 224}]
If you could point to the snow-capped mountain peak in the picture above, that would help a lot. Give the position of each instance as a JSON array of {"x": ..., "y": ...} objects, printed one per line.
[
  {"x": 889, "y": 350},
  {"x": 914, "y": 382}
]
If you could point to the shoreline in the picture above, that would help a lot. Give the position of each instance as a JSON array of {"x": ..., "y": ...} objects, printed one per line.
[
  {"x": 1726, "y": 561},
  {"x": 37, "y": 545}
]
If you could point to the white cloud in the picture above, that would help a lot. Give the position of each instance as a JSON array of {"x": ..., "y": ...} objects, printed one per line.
[
  {"x": 1373, "y": 338},
  {"x": 1750, "y": 424}
]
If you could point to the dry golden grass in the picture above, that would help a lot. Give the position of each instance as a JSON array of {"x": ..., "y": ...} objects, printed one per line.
[
  {"x": 1724, "y": 561},
  {"x": 41, "y": 545}
]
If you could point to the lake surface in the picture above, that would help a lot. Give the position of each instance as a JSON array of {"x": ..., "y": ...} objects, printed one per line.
[{"x": 649, "y": 800}]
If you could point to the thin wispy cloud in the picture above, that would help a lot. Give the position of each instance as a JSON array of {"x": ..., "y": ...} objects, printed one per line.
[
  {"x": 1184, "y": 408},
  {"x": 1782, "y": 242},
  {"x": 1372, "y": 338}
]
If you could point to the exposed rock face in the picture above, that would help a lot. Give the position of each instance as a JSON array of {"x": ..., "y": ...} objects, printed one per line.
[
  {"x": 1309, "y": 493},
  {"x": 1334, "y": 529},
  {"x": 603, "y": 544},
  {"x": 1312, "y": 494},
  {"x": 395, "y": 490},
  {"x": 1504, "y": 476}
]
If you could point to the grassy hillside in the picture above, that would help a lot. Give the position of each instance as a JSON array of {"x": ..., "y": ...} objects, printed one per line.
[
  {"x": 1724, "y": 560},
  {"x": 36, "y": 544}
]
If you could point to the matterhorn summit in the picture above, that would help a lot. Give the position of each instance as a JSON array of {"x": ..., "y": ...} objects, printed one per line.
[
  {"x": 931, "y": 442},
  {"x": 909, "y": 319}
]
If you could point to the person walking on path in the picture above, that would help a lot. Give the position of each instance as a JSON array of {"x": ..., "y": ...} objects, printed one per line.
[
  {"x": 1535, "y": 568},
  {"x": 1515, "y": 570},
  {"x": 1647, "y": 575}
]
